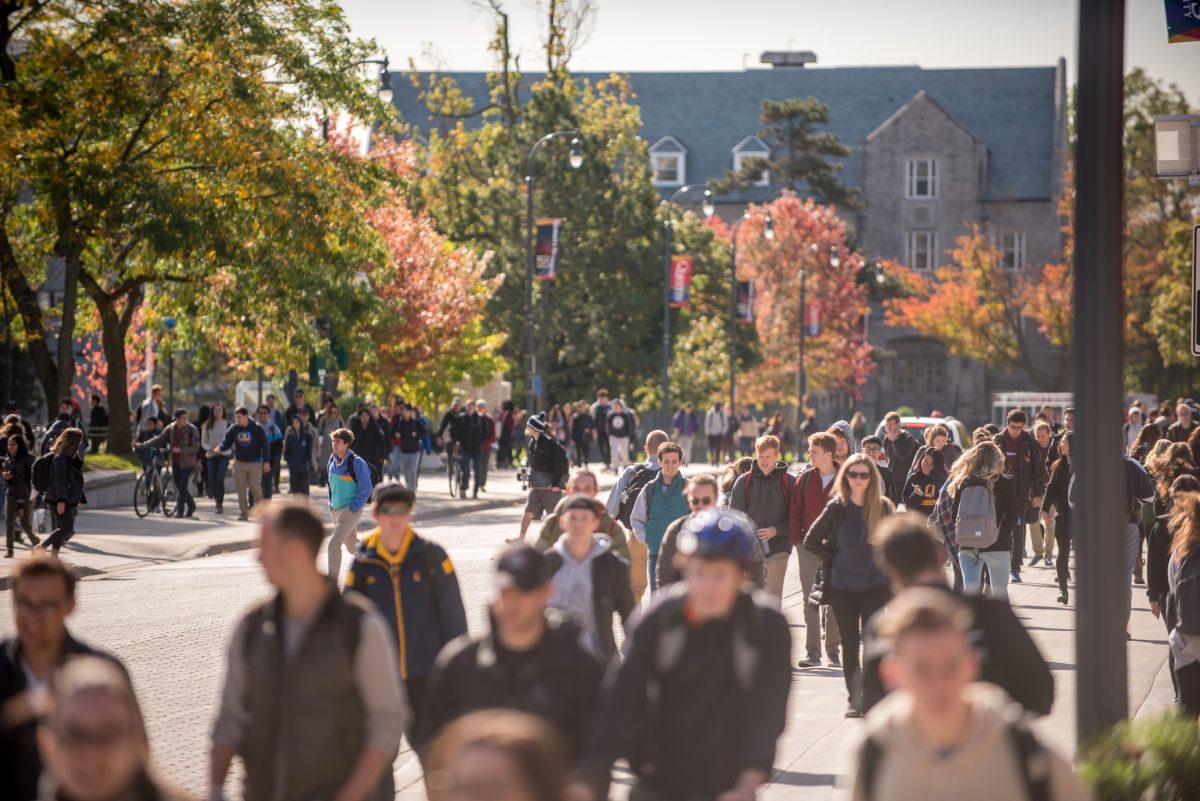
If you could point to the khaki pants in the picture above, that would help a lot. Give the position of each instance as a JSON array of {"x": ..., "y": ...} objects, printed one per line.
[
  {"x": 814, "y": 618},
  {"x": 639, "y": 560},
  {"x": 775, "y": 567},
  {"x": 1042, "y": 535},
  {"x": 248, "y": 478},
  {"x": 345, "y": 532}
]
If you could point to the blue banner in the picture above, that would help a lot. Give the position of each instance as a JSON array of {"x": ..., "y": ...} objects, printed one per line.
[{"x": 1183, "y": 21}]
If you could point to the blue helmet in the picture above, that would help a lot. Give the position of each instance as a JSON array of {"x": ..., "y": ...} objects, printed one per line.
[{"x": 718, "y": 534}]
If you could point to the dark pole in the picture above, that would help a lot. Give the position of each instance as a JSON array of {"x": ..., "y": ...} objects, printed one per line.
[
  {"x": 531, "y": 397},
  {"x": 171, "y": 382},
  {"x": 803, "y": 379},
  {"x": 8, "y": 348},
  {"x": 666, "y": 398},
  {"x": 1101, "y": 691},
  {"x": 733, "y": 299}
]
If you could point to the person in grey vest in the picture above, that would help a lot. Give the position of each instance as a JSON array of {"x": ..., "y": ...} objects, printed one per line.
[{"x": 312, "y": 700}]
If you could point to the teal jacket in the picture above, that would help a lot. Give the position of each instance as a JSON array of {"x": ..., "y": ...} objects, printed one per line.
[{"x": 664, "y": 505}]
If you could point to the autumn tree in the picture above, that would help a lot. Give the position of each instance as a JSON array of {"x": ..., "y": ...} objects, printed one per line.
[{"x": 806, "y": 235}]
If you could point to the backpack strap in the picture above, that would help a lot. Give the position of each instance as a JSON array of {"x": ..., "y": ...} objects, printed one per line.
[
  {"x": 1032, "y": 762},
  {"x": 868, "y": 767}
]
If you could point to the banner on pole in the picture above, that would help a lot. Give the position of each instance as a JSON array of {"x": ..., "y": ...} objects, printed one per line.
[
  {"x": 545, "y": 258},
  {"x": 681, "y": 281},
  {"x": 812, "y": 319},
  {"x": 745, "y": 302},
  {"x": 1183, "y": 21}
]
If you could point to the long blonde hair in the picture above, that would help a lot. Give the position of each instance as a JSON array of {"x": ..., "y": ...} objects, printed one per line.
[
  {"x": 1184, "y": 524},
  {"x": 875, "y": 504},
  {"x": 984, "y": 461}
]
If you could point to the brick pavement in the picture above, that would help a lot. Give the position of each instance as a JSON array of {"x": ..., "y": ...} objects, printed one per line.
[{"x": 171, "y": 623}]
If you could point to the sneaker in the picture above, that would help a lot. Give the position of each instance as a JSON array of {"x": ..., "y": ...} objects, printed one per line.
[
  {"x": 513, "y": 541},
  {"x": 242, "y": 518},
  {"x": 1049, "y": 562},
  {"x": 1015, "y": 577},
  {"x": 812, "y": 660},
  {"x": 835, "y": 660},
  {"x": 853, "y": 712},
  {"x": 33, "y": 540}
]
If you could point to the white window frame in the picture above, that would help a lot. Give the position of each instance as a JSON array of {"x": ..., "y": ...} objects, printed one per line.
[
  {"x": 929, "y": 250},
  {"x": 1012, "y": 243},
  {"x": 752, "y": 147},
  {"x": 911, "y": 178},
  {"x": 669, "y": 148}
]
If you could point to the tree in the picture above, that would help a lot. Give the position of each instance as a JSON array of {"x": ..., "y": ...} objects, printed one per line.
[
  {"x": 806, "y": 234},
  {"x": 800, "y": 154},
  {"x": 976, "y": 307}
]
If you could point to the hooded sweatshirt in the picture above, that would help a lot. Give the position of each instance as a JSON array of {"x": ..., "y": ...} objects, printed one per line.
[
  {"x": 982, "y": 767},
  {"x": 573, "y": 590},
  {"x": 844, "y": 427}
]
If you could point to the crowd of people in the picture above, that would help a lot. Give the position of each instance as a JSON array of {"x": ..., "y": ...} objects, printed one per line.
[{"x": 645, "y": 627}]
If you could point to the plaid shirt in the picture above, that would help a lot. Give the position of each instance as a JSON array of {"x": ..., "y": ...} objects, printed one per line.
[{"x": 942, "y": 519}]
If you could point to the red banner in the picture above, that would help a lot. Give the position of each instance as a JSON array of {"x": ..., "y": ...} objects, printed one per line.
[
  {"x": 545, "y": 253},
  {"x": 681, "y": 281},
  {"x": 812, "y": 319}
]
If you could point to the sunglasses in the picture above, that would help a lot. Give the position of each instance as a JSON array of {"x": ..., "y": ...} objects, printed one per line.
[
  {"x": 860, "y": 476},
  {"x": 389, "y": 511},
  {"x": 706, "y": 501}
]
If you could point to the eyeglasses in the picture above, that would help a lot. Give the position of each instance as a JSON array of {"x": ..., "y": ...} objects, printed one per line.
[
  {"x": 390, "y": 511},
  {"x": 703, "y": 501},
  {"x": 854, "y": 474}
]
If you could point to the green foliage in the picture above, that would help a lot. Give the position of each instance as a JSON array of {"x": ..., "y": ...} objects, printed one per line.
[
  {"x": 111, "y": 461},
  {"x": 1171, "y": 306},
  {"x": 1157, "y": 759},
  {"x": 800, "y": 153}
]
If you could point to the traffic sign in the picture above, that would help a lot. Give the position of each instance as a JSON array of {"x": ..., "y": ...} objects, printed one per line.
[
  {"x": 1196, "y": 291},
  {"x": 537, "y": 384}
]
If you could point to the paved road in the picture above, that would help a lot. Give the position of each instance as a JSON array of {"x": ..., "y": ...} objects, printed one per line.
[{"x": 171, "y": 622}]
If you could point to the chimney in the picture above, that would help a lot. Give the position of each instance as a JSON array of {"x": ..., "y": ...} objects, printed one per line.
[{"x": 787, "y": 58}]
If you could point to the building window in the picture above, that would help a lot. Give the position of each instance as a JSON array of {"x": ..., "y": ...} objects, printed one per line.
[
  {"x": 668, "y": 160},
  {"x": 920, "y": 252},
  {"x": 922, "y": 182},
  {"x": 1012, "y": 249},
  {"x": 920, "y": 377},
  {"x": 752, "y": 147}
]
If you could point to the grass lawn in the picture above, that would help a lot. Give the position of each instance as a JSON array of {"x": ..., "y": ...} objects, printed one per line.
[{"x": 111, "y": 461}]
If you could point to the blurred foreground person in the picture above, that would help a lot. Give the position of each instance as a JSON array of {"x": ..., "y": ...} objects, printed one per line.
[
  {"x": 497, "y": 755},
  {"x": 312, "y": 700},
  {"x": 701, "y": 699},
  {"x": 941, "y": 736},
  {"x": 93, "y": 738}
]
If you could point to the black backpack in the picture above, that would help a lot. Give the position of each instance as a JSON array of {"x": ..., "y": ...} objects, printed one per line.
[
  {"x": 643, "y": 474},
  {"x": 42, "y": 472}
]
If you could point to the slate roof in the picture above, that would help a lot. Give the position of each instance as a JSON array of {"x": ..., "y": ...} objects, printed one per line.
[{"x": 1011, "y": 109}]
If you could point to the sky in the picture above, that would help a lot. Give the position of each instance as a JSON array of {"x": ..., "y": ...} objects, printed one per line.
[{"x": 694, "y": 35}]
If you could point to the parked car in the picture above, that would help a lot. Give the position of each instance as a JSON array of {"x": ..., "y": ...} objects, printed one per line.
[{"x": 916, "y": 426}]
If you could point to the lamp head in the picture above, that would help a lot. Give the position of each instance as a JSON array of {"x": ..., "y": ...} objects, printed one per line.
[
  {"x": 769, "y": 230},
  {"x": 835, "y": 260},
  {"x": 576, "y": 153},
  {"x": 708, "y": 208},
  {"x": 385, "y": 83}
]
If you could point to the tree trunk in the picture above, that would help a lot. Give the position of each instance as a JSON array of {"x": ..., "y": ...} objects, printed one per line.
[
  {"x": 114, "y": 328},
  {"x": 69, "y": 248},
  {"x": 32, "y": 320}
]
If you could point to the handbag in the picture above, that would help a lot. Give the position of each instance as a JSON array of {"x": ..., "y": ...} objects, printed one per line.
[{"x": 1146, "y": 513}]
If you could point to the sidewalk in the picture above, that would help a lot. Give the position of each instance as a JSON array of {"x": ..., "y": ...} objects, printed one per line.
[{"x": 110, "y": 540}]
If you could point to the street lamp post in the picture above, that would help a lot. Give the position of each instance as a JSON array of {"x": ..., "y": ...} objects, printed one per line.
[
  {"x": 835, "y": 261},
  {"x": 768, "y": 234},
  {"x": 669, "y": 230},
  {"x": 576, "y": 163},
  {"x": 384, "y": 91}
]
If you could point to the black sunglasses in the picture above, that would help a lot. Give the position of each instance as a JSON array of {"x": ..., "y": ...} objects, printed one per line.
[{"x": 856, "y": 474}]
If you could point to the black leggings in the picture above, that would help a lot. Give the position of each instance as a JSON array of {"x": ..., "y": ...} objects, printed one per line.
[
  {"x": 1187, "y": 679},
  {"x": 1062, "y": 562},
  {"x": 64, "y": 526},
  {"x": 580, "y": 454},
  {"x": 852, "y": 611}
]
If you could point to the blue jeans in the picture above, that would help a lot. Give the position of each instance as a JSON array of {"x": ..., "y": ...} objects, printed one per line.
[
  {"x": 1133, "y": 539},
  {"x": 410, "y": 467},
  {"x": 972, "y": 563},
  {"x": 216, "y": 467},
  {"x": 183, "y": 476},
  {"x": 652, "y": 566},
  {"x": 469, "y": 459},
  {"x": 394, "y": 462}
]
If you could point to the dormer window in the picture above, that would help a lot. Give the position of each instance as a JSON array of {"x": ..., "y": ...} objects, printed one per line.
[
  {"x": 752, "y": 147},
  {"x": 668, "y": 160}
]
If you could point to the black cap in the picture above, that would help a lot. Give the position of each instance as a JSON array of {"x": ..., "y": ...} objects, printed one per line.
[
  {"x": 521, "y": 567},
  {"x": 180, "y": 412}
]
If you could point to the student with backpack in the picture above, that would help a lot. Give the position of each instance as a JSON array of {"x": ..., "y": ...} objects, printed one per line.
[
  {"x": 942, "y": 733},
  {"x": 975, "y": 513},
  {"x": 844, "y": 539},
  {"x": 64, "y": 487},
  {"x": 660, "y": 503},
  {"x": 621, "y": 499},
  {"x": 16, "y": 468},
  {"x": 701, "y": 699},
  {"x": 764, "y": 494},
  {"x": 810, "y": 495},
  {"x": 1055, "y": 502}
]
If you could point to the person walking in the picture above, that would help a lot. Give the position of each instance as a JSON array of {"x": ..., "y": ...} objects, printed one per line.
[
  {"x": 182, "y": 441},
  {"x": 350, "y": 487},
  {"x": 408, "y": 430},
  {"x": 899, "y": 446},
  {"x": 43, "y": 598},
  {"x": 699, "y": 702},
  {"x": 715, "y": 424},
  {"x": 251, "y": 458},
  {"x": 1041, "y": 533},
  {"x": 1139, "y": 490},
  {"x": 1023, "y": 468},
  {"x": 298, "y": 405},
  {"x": 590, "y": 581},
  {"x": 312, "y": 700},
  {"x": 623, "y": 497},
  {"x": 97, "y": 422},
  {"x": 844, "y": 539},
  {"x": 371, "y": 440},
  {"x": 811, "y": 492},
  {"x": 941, "y": 734},
  {"x": 506, "y": 427},
  {"x": 298, "y": 452},
  {"x": 1056, "y": 514},
  {"x": 558, "y": 425},
  {"x": 470, "y": 431},
  {"x": 747, "y": 431},
  {"x": 764, "y": 496},
  {"x": 212, "y": 434},
  {"x": 685, "y": 425},
  {"x": 411, "y": 581},
  {"x": 1184, "y": 425},
  {"x": 1134, "y": 422},
  {"x": 16, "y": 468},
  {"x": 729, "y": 442},
  {"x": 266, "y": 421},
  {"x": 600, "y": 411},
  {"x": 275, "y": 431},
  {"x": 925, "y": 482},
  {"x": 872, "y": 446},
  {"x": 620, "y": 427},
  {"x": 1183, "y": 599},
  {"x": 528, "y": 660},
  {"x": 489, "y": 441},
  {"x": 582, "y": 430},
  {"x": 974, "y": 512},
  {"x": 549, "y": 469},
  {"x": 582, "y": 482},
  {"x": 65, "y": 493},
  {"x": 660, "y": 503},
  {"x": 913, "y": 556}
]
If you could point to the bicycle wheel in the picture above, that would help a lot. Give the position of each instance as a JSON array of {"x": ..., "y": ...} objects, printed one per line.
[
  {"x": 143, "y": 489},
  {"x": 169, "y": 493},
  {"x": 452, "y": 473}
]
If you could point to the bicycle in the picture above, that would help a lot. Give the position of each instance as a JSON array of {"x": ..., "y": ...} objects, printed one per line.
[
  {"x": 454, "y": 468},
  {"x": 155, "y": 489}
]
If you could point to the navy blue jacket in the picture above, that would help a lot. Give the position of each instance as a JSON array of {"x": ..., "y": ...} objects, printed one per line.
[{"x": 249, "y": 443}]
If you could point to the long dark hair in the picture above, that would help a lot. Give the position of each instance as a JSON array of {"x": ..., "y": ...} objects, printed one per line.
[
  {"x": 22, "y": 445},
  {"x": 1144, "y": 441}
]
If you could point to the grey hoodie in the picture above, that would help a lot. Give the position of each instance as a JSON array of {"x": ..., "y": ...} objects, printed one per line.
[
  {"x": 572, "y": 593},
  {"x": 844, "y": 427}
]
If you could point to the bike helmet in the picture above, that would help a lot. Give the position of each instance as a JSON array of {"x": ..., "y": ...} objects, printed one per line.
[{"x": 718, "y": 534}]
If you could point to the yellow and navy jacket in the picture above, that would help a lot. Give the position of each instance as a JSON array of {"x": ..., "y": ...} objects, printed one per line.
[{"x": 416, "y": 590}]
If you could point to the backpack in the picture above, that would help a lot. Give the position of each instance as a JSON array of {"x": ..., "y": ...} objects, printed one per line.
[
  {"x": 672, "y": 630},
  {"x": 643, "y": 474},
  {"x": 1031, "y": 762},
  {"x": 1186, "y": 597},
  {"x": 42, "y": 472},
  {"x": 975, "y": 522}
]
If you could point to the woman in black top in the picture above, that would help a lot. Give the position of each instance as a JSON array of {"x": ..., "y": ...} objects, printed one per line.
[
  {"x": 920, "y": 493},
  {"x": 1055, "y": 501},
  {"x": 66, "y": 487},
  {"x": 17, "y": 470}
]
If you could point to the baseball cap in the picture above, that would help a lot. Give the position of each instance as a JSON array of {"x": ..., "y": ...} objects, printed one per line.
[{"x": 521, "y": 567}]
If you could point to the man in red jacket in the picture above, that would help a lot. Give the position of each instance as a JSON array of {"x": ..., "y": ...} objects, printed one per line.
[{"x": 810, "y": 494}]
